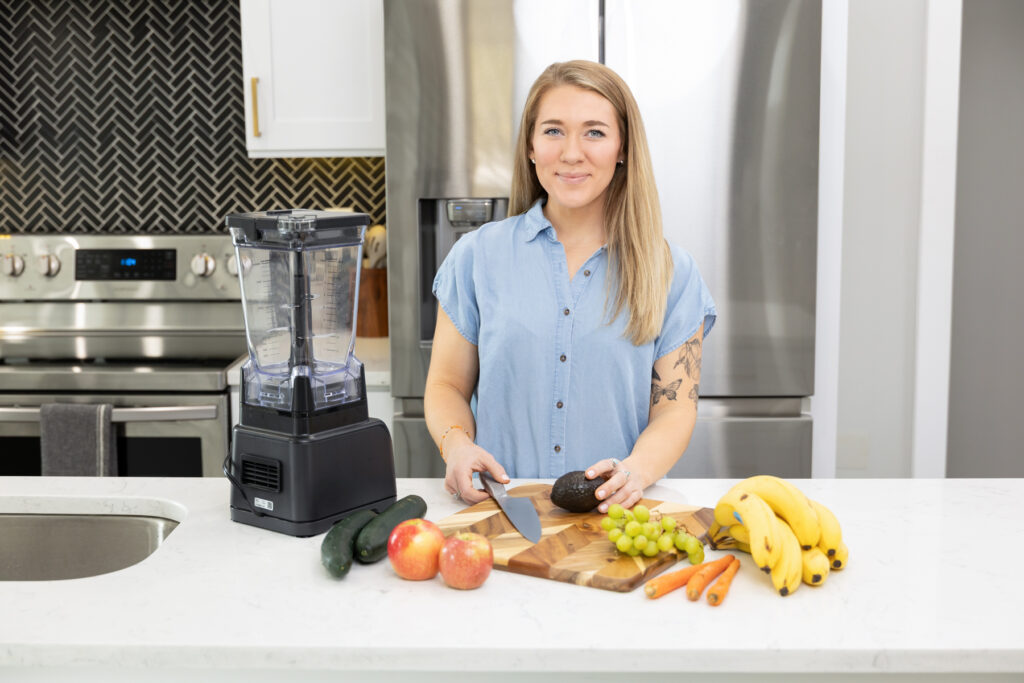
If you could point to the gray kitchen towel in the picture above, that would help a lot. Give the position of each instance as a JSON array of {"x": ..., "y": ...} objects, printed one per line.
[{"x": 77, "y": 440}]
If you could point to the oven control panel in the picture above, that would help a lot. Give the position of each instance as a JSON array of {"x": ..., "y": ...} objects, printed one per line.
[
  {"x": 126, "y": 264},
  {"x": 117, "y": 267}
]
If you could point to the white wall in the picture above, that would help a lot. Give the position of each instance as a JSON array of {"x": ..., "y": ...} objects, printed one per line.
[
  {"x": 888, "y": 168},
  {"x": 986, "y": 373}
]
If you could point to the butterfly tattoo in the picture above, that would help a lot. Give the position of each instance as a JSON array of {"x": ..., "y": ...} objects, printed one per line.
[
  {"x": 689, "y": 358},
  {"x": 669, "y": 392}
]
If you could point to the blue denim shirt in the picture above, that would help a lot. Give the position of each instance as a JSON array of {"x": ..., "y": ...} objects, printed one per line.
[{"x": 559, "y": 387}]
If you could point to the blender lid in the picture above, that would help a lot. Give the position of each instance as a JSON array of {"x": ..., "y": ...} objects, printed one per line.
[{"x": 297, "y": 227}]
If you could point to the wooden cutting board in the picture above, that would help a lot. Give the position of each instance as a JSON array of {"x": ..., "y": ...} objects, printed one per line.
[{"x": 573, "y": 546}]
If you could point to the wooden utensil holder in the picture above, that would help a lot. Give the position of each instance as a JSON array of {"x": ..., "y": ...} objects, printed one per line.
[{"x": 372, "y": 317}]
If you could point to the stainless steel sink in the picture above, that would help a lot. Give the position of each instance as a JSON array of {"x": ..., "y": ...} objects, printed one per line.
[{"x": 42, "y": 547}]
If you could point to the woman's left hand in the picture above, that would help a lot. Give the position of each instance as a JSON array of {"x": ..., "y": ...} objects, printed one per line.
[{"x": 622, "y": 486}]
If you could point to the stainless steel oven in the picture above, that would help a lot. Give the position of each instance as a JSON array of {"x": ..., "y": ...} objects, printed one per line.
[{"x": 148, "y": 324}]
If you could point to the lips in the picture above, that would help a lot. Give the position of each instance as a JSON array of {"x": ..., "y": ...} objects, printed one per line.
[{"x": 573, "y": 178}]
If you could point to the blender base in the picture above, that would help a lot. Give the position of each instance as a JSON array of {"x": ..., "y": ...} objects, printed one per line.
[
  {"x": 302, "y": 485},
  {"x": 301, "y": 529}
]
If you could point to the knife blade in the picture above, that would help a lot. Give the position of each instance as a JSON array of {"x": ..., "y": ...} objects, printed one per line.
[{"x": 520, "y": 511}]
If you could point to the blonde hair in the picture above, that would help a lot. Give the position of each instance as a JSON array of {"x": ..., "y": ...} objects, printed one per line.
[{"x": 639, "y": 258}]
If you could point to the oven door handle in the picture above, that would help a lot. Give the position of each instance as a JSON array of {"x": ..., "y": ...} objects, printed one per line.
[{"x": 147, "y": 414}]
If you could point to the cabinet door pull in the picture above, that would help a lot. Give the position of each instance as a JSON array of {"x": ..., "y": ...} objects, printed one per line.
[{"x": 254, "y": 86}]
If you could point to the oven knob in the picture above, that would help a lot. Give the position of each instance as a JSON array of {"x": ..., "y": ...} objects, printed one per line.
[
  {"x": 49, "y": 265},
  {"x": 233, "y": 265},
  {"x": 203, "y": 265},
  {"x": 13, "y": 265}
]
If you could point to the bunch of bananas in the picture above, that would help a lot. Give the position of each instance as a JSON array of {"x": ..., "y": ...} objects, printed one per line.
[{"x": 789, "y": 536}]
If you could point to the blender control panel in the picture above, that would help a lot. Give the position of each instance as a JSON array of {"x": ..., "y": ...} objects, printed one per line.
[{"x": 125, "y": 264}]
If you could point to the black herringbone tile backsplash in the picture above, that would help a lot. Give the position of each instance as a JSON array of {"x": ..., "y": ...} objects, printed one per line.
[{"x": 128, "y": 116}]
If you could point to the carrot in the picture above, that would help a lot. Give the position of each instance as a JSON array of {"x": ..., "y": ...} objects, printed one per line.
[
  {"x": 708, "y": 571},
  {"x": 717, "y": 592},
  {"x": 666, "y": 583}
]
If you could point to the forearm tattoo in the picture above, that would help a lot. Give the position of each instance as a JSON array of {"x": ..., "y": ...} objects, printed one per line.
[
  {"x": 657, "y": 391},
  {"x": 689, "y": 358}
]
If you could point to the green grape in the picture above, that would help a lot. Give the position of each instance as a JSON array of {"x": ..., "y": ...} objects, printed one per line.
[
  {"x": 697, "y": 557},
  {"x": 664, "y": 543},
  {"x": 633, "y": 528},
  {"x": 691, "y": 546},
  {"x": 620, "y": 522},
  {"x": 607, "y": 523},
  {"x": 651, "y": 549},
  {"x": 642, "y": 513},
  {"x": 651, "y": 530},
  {"x": 629, "y": 515},
  {"x": 668, "y": 523},
  {"x": 614, "y": 534},
  {"x": 680, "y": 540},
  {"x": 616, "y": 511},
  {"x": 640, "y": 541},
  {"x": 624, "y": 543},
  {"x": 633, "y": 552}
]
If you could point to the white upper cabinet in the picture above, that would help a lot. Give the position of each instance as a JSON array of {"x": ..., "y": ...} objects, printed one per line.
[{"x": 314, "y": 77}]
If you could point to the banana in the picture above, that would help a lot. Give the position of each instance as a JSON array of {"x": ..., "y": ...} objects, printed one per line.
[
  {"x": 740, "y": 533},
  {"x": 756, "y": 515},
  {"x": 724, "y": 514},
  {"x": 831, "y": 534},
  {"x": 841, "y": 556},
  {"x": 815, "y": 566},
  {"x": 718, "y": 537},
  {"x": 789, "y": 503},
  {"x": 787, "y": 574}
]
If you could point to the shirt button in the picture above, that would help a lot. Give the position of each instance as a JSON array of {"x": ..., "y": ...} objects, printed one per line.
[
  {"x": 559, "y": 404},
  {"x": 566, "y": 311},
  {"x": 562, "y": 358},
  {"x": 586, "y": 273},
  {"x": 558, "y": 449}
]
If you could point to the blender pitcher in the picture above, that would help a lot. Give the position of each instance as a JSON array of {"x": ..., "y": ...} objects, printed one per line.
[
  {"x": 305, "y": 452},
  {"x": 299, "y": 292}
]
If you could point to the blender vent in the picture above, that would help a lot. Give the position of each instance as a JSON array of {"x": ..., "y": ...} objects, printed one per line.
[{"x": 261, "y": 474}]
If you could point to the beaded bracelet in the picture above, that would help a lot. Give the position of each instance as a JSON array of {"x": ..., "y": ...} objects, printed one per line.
[{"x": 441, "y": 441}]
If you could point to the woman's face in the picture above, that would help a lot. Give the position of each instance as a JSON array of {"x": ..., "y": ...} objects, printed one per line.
[{"x": 575, "y": 146}]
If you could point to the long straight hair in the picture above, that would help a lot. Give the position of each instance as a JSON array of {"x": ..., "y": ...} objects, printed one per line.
[{"x": 639, "y": 258}]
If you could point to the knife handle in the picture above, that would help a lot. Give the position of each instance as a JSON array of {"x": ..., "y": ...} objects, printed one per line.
[{"x": 491, "y": 485}]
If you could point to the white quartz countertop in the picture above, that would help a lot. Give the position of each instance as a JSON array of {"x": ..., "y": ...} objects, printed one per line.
[{"x": 932, "y": 585}]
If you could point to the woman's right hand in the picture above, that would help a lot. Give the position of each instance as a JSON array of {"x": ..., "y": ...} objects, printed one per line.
[{"x": 465, "y": 458}]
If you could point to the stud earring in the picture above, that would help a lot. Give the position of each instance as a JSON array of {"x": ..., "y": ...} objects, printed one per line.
[
  {"x": 533, "y": 161},
  {"x": 620, "y": 162}
]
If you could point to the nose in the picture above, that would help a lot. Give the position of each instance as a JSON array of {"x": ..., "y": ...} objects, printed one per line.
[{"x": 572, "y": 151}]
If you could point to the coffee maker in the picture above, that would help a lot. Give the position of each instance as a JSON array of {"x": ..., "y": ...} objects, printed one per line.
[{"x": 305, "y": 452}]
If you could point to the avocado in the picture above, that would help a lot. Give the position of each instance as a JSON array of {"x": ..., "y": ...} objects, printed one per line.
[{"x": 574, "y": 492}]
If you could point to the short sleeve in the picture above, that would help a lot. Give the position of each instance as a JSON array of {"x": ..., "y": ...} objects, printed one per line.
[
  {"x": 455, "y": 289},
  {"x": 689, "y": 304}
]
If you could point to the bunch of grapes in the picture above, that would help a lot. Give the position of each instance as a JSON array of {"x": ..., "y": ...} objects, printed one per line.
[{"x": 635, "y": 532}]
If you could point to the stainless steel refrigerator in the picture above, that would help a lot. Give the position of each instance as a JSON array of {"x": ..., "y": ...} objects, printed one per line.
[{"x": 729, "y": 91}]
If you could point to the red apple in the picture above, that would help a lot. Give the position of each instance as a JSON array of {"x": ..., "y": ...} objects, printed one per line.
[
  {"x": 413, "y": 548},
  {"x": 466, "y": 560}
]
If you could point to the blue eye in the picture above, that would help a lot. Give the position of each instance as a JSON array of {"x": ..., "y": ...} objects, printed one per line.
[
  {"x": 551, "y": 131},
  {"x": 595, "y": 133}
]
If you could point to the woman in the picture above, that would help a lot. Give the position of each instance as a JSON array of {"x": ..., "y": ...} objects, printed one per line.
[{"x": 553, "y": 319}]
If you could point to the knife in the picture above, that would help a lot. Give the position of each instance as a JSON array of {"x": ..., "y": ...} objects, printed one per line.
[{"x": 520, "y": 511}]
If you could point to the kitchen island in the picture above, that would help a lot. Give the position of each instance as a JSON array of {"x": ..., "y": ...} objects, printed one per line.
[{"x": 931, "y": 587}]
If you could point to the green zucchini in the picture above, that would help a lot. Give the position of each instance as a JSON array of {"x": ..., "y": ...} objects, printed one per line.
[
  {"x": 372, "y": 541},
  {"x": 336, "y": 549}
]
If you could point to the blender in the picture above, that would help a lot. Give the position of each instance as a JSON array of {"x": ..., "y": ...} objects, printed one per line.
[{"x": 305, "y": 452}]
